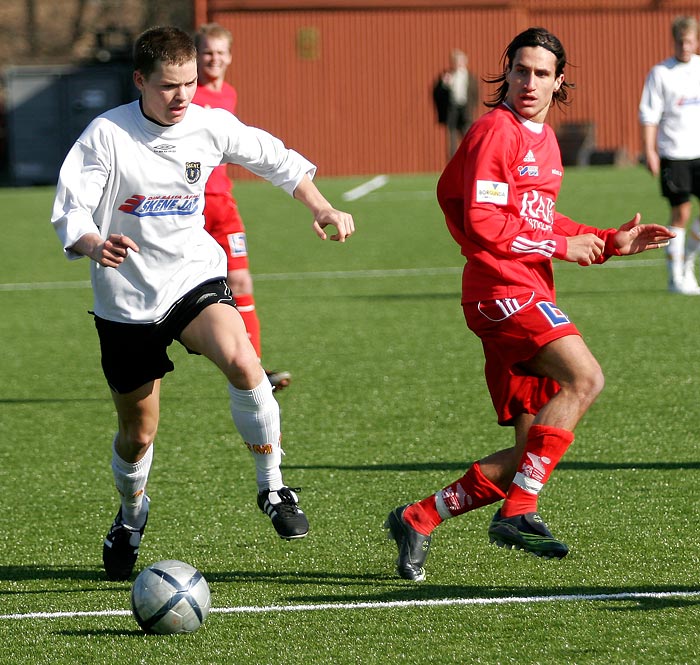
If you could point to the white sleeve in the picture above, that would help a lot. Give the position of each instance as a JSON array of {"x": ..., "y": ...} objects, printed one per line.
[
  {"x": 651, "y": 105},
  {"x": 266, "y": 156},
  {"x": 81, "y": 183}
]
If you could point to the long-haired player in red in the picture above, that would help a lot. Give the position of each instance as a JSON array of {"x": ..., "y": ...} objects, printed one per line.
[{"x": 498, "y": 195}]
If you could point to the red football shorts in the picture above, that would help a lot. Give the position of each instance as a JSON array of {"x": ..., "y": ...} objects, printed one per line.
[
  {"x": 224, "y": 223},
  {"x": 513, "y": 330}
]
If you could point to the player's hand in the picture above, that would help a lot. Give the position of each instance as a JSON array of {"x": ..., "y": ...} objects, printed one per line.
[
  {"x": 584, "y": 249},
  {"x": 109, "y": 253},
  {"x": 653, "y": 163},
  {"x": 633, "y": 237},
  {"x": 112, "y": 252},
  {"x": 342, "y": 221}
]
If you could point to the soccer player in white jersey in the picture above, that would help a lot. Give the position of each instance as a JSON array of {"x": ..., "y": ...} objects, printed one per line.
[
  {"x": 669, "y": 113},
  {"x": 130, "y": 196}
]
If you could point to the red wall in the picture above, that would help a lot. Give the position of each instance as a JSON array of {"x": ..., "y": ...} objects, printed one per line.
[{"x": 351, "y": 88}]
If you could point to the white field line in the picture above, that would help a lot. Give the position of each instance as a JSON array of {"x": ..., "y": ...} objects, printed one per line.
[
  {"x": 44, "y": 286},
  {"x": 365, "y": 188},
  {"x": 406, "y": 195},
  {"x": 383, "y": 605},
  {"x": 335, "y": 274}
]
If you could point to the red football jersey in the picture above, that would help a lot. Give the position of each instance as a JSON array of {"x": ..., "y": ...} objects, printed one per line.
[
  {"x": 227, "y": 98},
  {"x": 498, "y": 194}
]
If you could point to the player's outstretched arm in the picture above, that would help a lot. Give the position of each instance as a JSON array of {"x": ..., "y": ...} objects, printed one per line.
[
  {"x": 109, "y": 253},
  {"x": 324, "y": 213},
  {"x": 633, "y": 237}
]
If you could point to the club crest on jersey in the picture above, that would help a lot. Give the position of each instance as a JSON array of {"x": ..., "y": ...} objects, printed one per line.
[{"x": 193, "y": 171}]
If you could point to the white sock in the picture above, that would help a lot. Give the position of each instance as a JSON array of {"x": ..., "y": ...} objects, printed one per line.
[
  {"x": 256, "y": 415},
  {"x": 692, "y": 240},
  {"x": 130, "y": 481},
  {"x": 676, "y": 255}
]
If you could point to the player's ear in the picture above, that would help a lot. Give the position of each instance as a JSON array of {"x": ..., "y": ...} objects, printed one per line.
[{"x": 139, "y": 79}]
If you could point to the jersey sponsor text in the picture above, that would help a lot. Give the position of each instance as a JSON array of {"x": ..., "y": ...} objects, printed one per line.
[{"x": 160, "y": 204}]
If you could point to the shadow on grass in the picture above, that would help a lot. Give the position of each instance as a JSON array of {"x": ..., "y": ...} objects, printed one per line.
[
  {"x": 294, "y": 578},
  {"x": 36, "y": 573},
  {"x": 463, "y": 466},
  {"x": 56, "y": 574}
]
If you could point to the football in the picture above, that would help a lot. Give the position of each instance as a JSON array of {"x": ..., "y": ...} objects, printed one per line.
[{"x": 170, "y": 597}]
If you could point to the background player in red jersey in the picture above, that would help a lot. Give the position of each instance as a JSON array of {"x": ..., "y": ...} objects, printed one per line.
[
  {"x": 498, "y": 195},
  {"x": 221, "y": 217}
]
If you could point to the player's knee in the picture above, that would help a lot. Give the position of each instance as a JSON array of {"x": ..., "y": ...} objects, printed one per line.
[
  {"x": 590, "y": 384},
  {"x": 246, "y": 381},
  {"x": 134, "y": 442},
  {"x": 245, "y": 371}
]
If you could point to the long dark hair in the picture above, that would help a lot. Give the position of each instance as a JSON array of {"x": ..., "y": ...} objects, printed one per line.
[{"x": 531, "y": 37}]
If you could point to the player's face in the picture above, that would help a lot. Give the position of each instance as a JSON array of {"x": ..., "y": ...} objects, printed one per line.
[
  {"x": 168, "y": 91},
  {"x": 532, "y": 81},
  {"x": 213, "y": 57},
  {"x": 686, "y": 46}
]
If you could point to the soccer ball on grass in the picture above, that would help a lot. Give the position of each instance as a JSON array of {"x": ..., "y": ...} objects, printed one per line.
[{"x": 170, "y": 597}]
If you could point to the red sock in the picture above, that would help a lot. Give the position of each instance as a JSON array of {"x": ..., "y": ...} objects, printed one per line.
[
  {"x": 423, "y": 516},
  {"x": 473, "y": 490},
  {"x": 245, "y": 304},
  {"x": 544, "y": 448}
]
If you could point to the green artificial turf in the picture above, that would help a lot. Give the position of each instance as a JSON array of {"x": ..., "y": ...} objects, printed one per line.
[{"x": 387, "y": 405}]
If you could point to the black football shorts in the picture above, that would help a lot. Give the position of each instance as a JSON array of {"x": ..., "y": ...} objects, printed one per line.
[
  {"x": 680, "y": 178},
  {"x": 134, "y": 354}
]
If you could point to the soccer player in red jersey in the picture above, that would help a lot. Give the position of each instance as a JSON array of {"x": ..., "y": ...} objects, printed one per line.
[
  {"x": 498, "y": 194},
  {"x": 221, "y": 216}
]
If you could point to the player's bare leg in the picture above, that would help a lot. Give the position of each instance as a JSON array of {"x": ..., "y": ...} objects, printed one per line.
[
  {"x": 518, "y": 524},
  {"x": 218, "y": 333},
  {"x": 132, "y": 456}
]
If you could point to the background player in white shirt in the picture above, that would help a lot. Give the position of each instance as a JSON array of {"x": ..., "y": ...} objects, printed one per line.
[
  {"x": 669, "y": 113},
  {"x": 130, "y": 197}
]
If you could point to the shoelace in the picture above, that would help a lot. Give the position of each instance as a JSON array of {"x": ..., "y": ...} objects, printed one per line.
[{"x": 287, "y": 503}]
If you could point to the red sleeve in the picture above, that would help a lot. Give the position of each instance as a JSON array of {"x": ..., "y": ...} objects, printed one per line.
[
  {"x": 568, "y": 227},
  {"x": 504, "y": 216}
]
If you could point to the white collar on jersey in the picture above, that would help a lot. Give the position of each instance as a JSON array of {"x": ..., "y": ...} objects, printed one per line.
[{"x": 536, "y": 127}]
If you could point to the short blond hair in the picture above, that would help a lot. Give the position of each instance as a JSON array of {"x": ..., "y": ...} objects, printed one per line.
[
  {"x": 212, "y": 30},
  {"x": 682, "y": 25}
]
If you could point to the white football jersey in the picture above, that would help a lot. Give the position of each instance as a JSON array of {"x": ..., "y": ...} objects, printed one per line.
[
  {"x": 671, "y": 100},
  {"x": 128, "y": 175}
]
